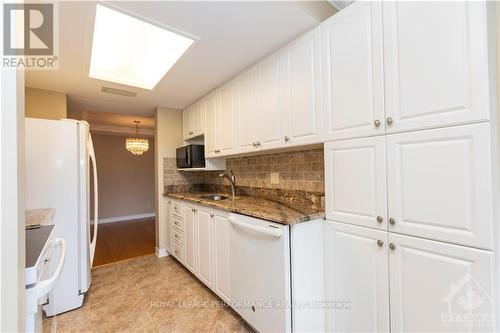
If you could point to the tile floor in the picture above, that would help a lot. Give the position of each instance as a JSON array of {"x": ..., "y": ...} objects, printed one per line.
[{"x": 147, "y": 294}]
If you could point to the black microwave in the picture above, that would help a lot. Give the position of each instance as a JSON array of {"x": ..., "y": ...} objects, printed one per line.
[{"x": 191, "y": 156}]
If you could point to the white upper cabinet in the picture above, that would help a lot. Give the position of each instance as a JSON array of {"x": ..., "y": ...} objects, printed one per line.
[
  {"x": 211, "y": 133},
  {"x": 193, "y": 120},
  {"x": 440, "y": 184},
  {"x": 247, "y": 103},
  {"x": 271, "y": 119},
  {"x": 353, "y": 72},
  {"x": 302, "y": 92},
  {"x": 436, "y": 63},
  {"x": 226, "y": 120},
  {"x": 355, "y": 179},
  {"x": 356, "y": 270},
  {"x": 439, "y": 287}
]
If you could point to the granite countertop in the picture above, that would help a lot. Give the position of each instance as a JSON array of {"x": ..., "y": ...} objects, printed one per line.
[
  {"x": 39, "y": 216},
  {"x": 258, "y": 207}
]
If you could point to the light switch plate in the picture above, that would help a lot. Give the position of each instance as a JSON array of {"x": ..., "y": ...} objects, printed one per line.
[{"x": 275, "y": 177}]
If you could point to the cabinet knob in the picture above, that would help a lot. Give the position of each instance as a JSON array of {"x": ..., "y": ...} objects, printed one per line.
[
  {"x": 254, "y": 144},
  {"x": 380, "y": 219},
  {"x": 389, "y": 121},
  {"x": 380, "y": 243},
  {"x": 217, "y": 151},
  {"x": 212, "y": 215},
  {"x": 392, "y": 221},
  {"x": 191, "y": 132},
  {"x": 258, "y": 143},
  {"x": 392, "y": 246},
  {"x": 287, "y": 138},
  {"x": 176, "y": 236},
  {"x": 377, "y": 123}
]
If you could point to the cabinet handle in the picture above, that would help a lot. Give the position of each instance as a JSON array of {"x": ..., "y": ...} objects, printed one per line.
[
  {"x": 176, "y": 236},
  {"x": 392, "y": 246},
  {"x": 380, "y": 219},
  {"x": 258, "y": 144},
  {"x": 212, "y": 215},
  {"x": 380, "y": 243},
  {"x": 286, "y": 138},
  {"x": 254, "y": 144},
  {"x": 377, "y": 123},
  {"x": 191, "y": 132},
  {"x": 389, "y": 121},
  {"x": 392, "y": 221},
  {"x": 217, "y": 151}
]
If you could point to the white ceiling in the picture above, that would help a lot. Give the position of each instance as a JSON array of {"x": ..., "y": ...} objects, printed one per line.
[{"x": 232, "y": 36}]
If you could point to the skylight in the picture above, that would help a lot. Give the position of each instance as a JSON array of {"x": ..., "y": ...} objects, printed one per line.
[{"x": 129, "y": 51}]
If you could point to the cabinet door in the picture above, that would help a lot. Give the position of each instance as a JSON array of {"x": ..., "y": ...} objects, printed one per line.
[
  {"x": 199, "y": 118},
  {"x": 187, "y": 123},
  {"x": 226, "y": 121},
  {"x": 357, "y": 272},
  {"x": 204, "y": 224},
  {"x": 353, "y": 72},
  {"x": 301, "y": 61},
  {"x": 355, "y": 179},
  {"x": 270, "y": 113},
  {"x": 211, "y": 134},
  {"x": 439, "y": 287},
  {"x": 247, "y": 111},
  {"x": 440, "y": 184},
  {"x": 167, "y": 203},
  {"x": 190, "y": 238},
  {"x": 436, "y": 73},
  {"x": 221, "y": 247}
]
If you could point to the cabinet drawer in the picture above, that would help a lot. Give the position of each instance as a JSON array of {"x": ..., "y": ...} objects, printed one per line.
[
  {"x": 178, "y": 252},
  {"x": 178, "y": 236},
  {"x": 177, "y": 208},
  {"x": 178, "y": 223}
]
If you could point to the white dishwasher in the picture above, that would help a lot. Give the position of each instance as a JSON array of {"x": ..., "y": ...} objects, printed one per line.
[{"x": 260, "y": 273}]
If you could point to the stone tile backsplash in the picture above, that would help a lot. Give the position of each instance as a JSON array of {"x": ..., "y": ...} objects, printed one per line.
[{"x": 298, "y": 170}]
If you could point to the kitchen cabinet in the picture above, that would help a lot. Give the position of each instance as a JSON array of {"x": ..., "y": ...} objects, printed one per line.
[
  {"x": 222, "y": 286},
  {"x": 167, "y": 214},
  {"x": 226, "y": 120},
  {"x": 211, "y": 133},
  {"x": 302, "y": 94},
  {"x": 193, "y": 120},
  {"x": 271, "y": 118},
  {"x": 247, "y": 106},
  {"x": 435, "y": 287},
  {"x": 190, "y": 237},
  {"x": 440, "y": 184},
  {"x": 357, "y": 272},
  {"x": 436, "y": 74},
  {"x": 355, "y": 173},
  {"x": 353, "y": 72},
  {"x": 176, "y": 228},
  {"x": 205, "y": 250}
]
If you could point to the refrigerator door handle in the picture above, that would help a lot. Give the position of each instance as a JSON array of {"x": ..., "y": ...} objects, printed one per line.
[{"x": 96, "y": 219}]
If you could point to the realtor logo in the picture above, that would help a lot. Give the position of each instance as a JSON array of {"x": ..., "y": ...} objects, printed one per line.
[
  {"x": 37, "y": 36},
  {"x": 29, "y": 36}
]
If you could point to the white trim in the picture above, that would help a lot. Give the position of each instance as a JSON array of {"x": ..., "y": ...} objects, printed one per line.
[
  {"x": 161, "y": 252},
  {"x": 127, "y": 218}
]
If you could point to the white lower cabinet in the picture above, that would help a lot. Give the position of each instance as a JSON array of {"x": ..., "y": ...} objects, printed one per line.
[
  {"x": 222, "y": 286},
  {"x": 425, "y": 285},
  {"x": 439, "y": 287},
  {"x": 204, "y": 233},
  {"x": 357, "y": 277},
  {"x": 190, "y": 242}
]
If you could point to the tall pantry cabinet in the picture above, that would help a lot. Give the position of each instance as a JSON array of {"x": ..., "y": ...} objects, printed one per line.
[{"x": 411, "y": 167}]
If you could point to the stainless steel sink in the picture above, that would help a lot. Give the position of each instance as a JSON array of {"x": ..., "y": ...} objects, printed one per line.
[{"x": 214, "y": 197}]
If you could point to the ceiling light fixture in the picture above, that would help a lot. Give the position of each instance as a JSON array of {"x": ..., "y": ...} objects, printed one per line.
[
  {"x": 133, "y": 52},
  {"x": 137, "y": 146}
]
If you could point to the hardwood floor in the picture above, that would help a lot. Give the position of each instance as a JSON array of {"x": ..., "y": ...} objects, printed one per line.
[{"x": 124, "y": 240}]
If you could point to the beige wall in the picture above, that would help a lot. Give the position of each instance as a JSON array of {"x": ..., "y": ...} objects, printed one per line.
[
  {"x": 126, "y": 181},
  {"x": 45, "y": 104},
  {"x": 168, "y": 134}
]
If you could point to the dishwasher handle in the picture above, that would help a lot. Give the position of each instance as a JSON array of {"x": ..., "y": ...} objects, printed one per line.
[
  {"x": 45, "y": 286},
  {"x": 273, "y": 232}
]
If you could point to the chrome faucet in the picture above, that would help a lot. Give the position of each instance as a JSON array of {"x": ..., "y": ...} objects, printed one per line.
[{"x": 232, "y": 181}]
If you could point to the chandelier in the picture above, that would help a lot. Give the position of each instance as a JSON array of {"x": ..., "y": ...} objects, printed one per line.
[{"x": 137, "y": 145}]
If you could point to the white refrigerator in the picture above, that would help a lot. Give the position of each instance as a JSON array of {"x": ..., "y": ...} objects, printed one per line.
[{"x": 59, "y": 159}]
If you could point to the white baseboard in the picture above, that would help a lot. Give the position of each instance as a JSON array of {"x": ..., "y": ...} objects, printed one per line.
[
  {"x": 127, "y": 218},
  {"x": 161, "y": 252}
]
